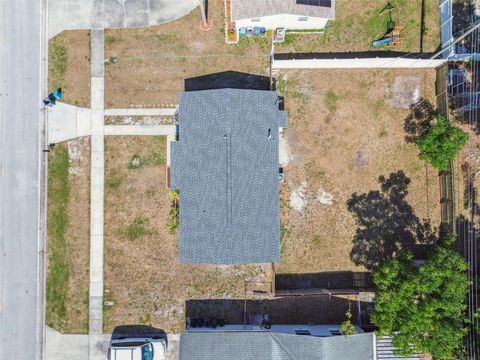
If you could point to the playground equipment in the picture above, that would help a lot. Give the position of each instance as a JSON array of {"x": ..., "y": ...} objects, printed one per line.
[
  {"x": 391, "y": 38},
  {"x": 393, "y": 35}
]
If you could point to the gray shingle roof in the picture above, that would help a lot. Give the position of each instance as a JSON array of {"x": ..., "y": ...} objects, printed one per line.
[
  {"x": 247, "y": 9},
  {"x": 225, "y": 166},
  {"x": 274, "y": 346}
]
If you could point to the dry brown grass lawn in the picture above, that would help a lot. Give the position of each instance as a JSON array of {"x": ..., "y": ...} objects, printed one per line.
[
  {"x": 332, "y": 116},
  {"x": 142, "y": 270},
  {"x": 78, "y": 233},
  {"x": 153, "y": 62},
  {"x": 69, "y": 66}
]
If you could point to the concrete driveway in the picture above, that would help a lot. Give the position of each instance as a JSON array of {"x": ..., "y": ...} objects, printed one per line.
[
  {"x": 60, "y": 346},
  {"x": 76, "y": 14},
  {"x": 75, "y": 347}
]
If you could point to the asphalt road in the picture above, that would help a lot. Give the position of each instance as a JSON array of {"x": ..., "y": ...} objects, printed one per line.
[{"x": 21, "y": 314}]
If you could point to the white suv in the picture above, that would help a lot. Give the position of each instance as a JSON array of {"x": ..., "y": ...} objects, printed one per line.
[{"x": 137, "y": 349}]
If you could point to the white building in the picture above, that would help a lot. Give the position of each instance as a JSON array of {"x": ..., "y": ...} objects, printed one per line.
[{"x": 288, "y": 14}]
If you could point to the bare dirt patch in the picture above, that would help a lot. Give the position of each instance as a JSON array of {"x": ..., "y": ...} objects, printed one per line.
[
  {"x": 338, "y": 148},
  {"x": 143, "y": 274},
  {"x": 152, "y": 63}
]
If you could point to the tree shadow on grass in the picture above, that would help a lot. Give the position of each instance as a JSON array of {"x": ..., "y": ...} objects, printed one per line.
[
  {"x": 419, "y": 121},
  {"x": 387, "y": 225}
]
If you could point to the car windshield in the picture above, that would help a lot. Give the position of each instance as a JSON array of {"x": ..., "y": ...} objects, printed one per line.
[{"x": 147, "y": 352}]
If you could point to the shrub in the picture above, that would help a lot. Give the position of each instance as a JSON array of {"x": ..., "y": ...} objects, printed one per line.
[
  {"x": 423, "y": 307},
  {"x": 441, "y": 143}
]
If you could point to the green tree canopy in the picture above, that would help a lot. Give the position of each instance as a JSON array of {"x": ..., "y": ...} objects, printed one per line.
[
  {"x": 423, "y": 306},
  {"x": 441, "y": 143}
]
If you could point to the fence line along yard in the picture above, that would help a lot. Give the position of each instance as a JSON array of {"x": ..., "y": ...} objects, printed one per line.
[{"x": 358, "y": 63}]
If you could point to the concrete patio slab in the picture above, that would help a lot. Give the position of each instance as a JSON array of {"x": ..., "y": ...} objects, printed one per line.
[{"x": 67, "y": 122}]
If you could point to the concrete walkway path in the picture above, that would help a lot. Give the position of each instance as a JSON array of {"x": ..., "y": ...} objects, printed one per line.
[
  {"x": 67, "y": 122},
  {"x": 76, "y": 14},
  {"x": 97, "y": 182},
  {"x": 140, "y": 112},
  {"x": 136, "y": 130},
  {"x": 173, "y": 351}
]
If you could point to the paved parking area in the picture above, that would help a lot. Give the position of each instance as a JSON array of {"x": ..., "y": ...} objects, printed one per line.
[
  {"x": 76, "y": 14},
  {"x": 60, "y": 346}
]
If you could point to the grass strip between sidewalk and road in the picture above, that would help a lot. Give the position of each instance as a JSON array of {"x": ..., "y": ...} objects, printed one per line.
[{"x": 57, "y": 223}]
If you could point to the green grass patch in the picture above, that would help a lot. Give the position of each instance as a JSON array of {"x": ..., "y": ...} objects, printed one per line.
[
  {"x": 57, "y": 65},
  {"x": 317, "y": 240},
  {"x": 113, "y": 183},
  {"x": 159, "y": 158},
  {"x": 281, "y": 84},
  {"x": 111, "y": 39},
  {"x": 57, "y": 222},
  {"x": 331, "y": 100},
  {"x": 138, "y": 228},
  {"x": 136, "y": 162},
  {"x": 289, "y": 39},
  {"x": 284, "y": 232},
  {"x": 159, "y": 155},
  {"x": 377, "y": 23},
  {"x": 107, "y": 311}
]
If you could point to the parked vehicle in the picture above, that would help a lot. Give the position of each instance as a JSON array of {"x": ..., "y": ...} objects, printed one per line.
[{"x": 137, "y": 349}]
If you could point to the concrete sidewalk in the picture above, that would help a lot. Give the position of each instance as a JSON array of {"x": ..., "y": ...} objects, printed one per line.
[
  {"x": 97, "y": 176},
  {"x": 67, "y": 122}
]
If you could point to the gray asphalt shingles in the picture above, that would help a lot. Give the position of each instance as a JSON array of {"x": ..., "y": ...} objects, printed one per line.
[
  {"x": 225, "y": 166},
  {"x": 251, "y": 345}
]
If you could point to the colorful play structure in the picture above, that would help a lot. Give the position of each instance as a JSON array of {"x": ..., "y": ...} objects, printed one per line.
[{"x": 393, "y": 35}]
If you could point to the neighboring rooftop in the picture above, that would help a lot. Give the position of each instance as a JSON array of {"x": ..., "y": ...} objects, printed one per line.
[
  {"x": 225, "y": 166},
  {"x": 267, "y": 345},
  {"x": 386, "y": 350},
  {"x": 246, "y": 9}
]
